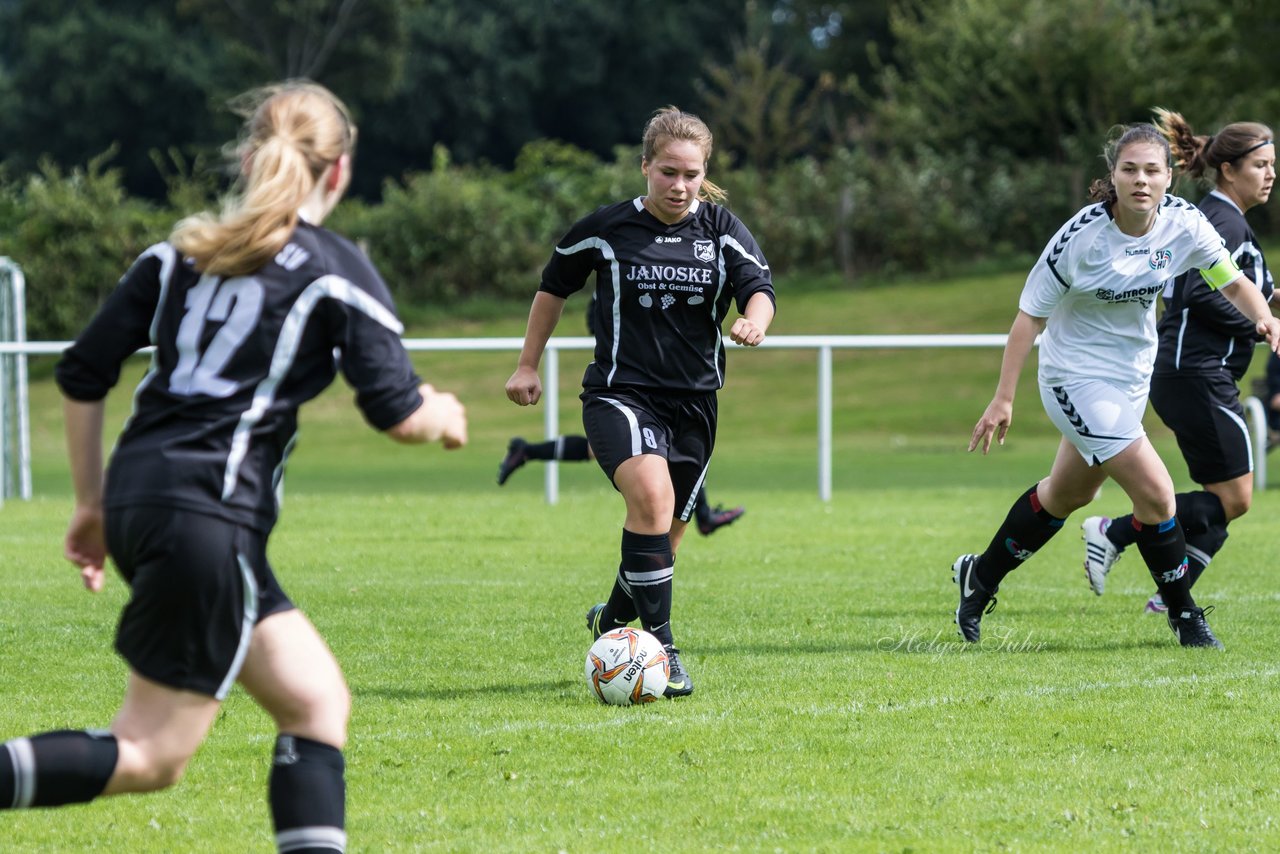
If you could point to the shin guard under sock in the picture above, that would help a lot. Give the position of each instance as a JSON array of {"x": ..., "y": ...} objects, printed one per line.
[
  {"x": 1025, "y": 530},
  {"x": 308, "y": 796},
  {"x": 1164, "y": 549},
  {"x": 648, "y": 566},
  {"x": 56, "y": 768}
]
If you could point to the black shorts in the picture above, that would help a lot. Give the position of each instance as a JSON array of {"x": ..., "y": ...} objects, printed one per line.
[
  {"x": 1205, "y": 415},
  {"x": 622, "y": 423},
  {"x": 199, "y": 585}
]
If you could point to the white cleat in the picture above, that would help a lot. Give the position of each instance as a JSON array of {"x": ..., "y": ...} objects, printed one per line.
[{"x": 1099, "y": 553}]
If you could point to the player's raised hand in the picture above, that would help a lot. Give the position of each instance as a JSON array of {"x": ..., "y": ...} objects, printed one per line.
[
  {"x": 993, "y": 423},
  {"x": 525, "y": 387}
]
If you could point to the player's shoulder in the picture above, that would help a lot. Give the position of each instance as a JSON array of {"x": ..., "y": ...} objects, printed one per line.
[
  {"x": 313, "y": 251},
  {"x": 1077, "y": 230},
  {"x": 607, "y": 216}
]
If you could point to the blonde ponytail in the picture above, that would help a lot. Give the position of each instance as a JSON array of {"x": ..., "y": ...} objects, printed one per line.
[{"x": 295, "y": 131}]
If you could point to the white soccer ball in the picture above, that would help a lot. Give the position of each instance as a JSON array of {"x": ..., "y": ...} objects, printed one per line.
[{"x": 627, "y": 666}]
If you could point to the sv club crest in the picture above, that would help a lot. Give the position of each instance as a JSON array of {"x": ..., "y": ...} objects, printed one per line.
[
  {"x": 1160, "y": 259},
  {"x": 704, "y": 250}
]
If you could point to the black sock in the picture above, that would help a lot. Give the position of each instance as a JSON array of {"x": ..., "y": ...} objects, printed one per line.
[
  {"x": 56, "y": 768},
  {"x": 620, "y": 609},
  {"x": 702, "y": 507},
  {"x": 1025, "y": 530},
  {"x": 574, "y": 449},
  {"x": 1198, "y": 512},
  {"x": 647, "y": 569},
  {"x": 567, "y": 448},
  {"x": 1201, "y": 548},
  {"x": 308, "y": 796},
  {"x": 1164, "y": 549}
]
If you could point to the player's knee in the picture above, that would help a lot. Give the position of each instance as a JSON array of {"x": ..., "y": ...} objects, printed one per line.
[
  {"x": 321, "y": 713},
  {"x": 1236, "y": 505},
  {"x": 142, "y": 769}
]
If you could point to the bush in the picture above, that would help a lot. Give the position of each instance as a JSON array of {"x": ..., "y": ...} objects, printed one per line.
[{"x": 74, "y": 235}]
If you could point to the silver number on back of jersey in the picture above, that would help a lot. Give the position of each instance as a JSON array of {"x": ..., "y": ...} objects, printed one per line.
[{"x": 236, "y": 303}]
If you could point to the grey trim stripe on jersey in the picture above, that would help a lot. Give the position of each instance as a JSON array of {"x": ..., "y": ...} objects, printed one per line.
[
  {"x": 607, "y": 251},
  {"x": 726, "y": 240},
  {"x": 24, "y": 772},
  {"x": 168, "y": 256},
  {"x": 249, "y": 620},
  {"x": 631, "y": 422},
  {"x": 1182, "y": 331},
  {"x": 1244, "y": 430},
  {"x": 335, "y": 287},
  {"x": 297, "y": 838}
]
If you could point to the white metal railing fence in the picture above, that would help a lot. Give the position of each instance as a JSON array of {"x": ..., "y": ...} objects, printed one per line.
[
  {"x": 825, "y": 345},
  {"x": 15, "y": 412}
]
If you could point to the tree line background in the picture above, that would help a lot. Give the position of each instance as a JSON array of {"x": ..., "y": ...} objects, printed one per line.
[{"x": 854, "y": 137}]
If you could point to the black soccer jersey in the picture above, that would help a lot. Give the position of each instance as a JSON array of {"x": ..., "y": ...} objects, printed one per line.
[
  {"x": 1201, "y": 332},
  {"x": 662, "y": 292},
  {"x": 216, "y": 415}
]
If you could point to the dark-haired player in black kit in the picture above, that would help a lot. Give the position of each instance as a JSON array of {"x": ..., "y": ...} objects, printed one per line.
[
  {"x": 1205, "y": 348},
  {"x": 667, "y": 266},
  {"x": 246, "y": 312}
]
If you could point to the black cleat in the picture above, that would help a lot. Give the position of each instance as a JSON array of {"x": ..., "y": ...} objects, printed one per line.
[
  {"x": 515, "y": 458},
  {"x": 975, "y": 600},
  {"x": 593, "y": 621},
  {"x": 1191, "y": 629},
  {"x": 678, "y": 682},
  {"x": 718, "y": 518}
]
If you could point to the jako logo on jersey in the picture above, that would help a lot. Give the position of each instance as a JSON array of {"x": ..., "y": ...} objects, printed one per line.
[
  {"x": 662, "y": 238},
  {"x": 1160, "y": 259},
  {"x": 1016, "y": 550},
  {"x": 704, "y": 250},
  {"x": 292, "y": 256}
]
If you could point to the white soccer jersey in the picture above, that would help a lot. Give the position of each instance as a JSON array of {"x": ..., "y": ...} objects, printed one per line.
[{"x": 1098, "y": 286}]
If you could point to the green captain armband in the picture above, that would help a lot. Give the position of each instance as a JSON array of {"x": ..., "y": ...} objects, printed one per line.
[{"x": 1221, "y": 274}]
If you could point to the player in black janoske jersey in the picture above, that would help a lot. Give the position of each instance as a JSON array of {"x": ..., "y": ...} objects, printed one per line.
[
  {"x": 667, "y": 266},
  {"x": 1205, "y": 348},
  {"x": 247, "y": 311}
]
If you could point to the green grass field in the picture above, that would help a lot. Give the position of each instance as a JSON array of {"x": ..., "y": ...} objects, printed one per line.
[{"x": 835, "y": 708}]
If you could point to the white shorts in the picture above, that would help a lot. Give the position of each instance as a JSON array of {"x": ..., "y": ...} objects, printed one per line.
[{"x": 1100, "y": 419}]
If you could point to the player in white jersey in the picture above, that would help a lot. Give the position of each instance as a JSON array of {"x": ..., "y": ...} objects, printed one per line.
[
  {"x": 1205, "y": 349},
  {"x": 1092, "y": 294}
]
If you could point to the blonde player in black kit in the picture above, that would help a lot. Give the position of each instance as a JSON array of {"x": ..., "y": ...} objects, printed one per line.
[
  {"x": 667, "y": 266},
  {"x": 246, "y": 312},
  {"x": 1205, "y": 348}
]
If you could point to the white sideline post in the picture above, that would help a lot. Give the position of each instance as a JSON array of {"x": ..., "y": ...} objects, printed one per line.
[
  {"x": 15, "y": 415},
  {"x": 1257, "y": 415},
  {"x": 824, "y": 422},
  {"x": 551, "y": 419}
]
